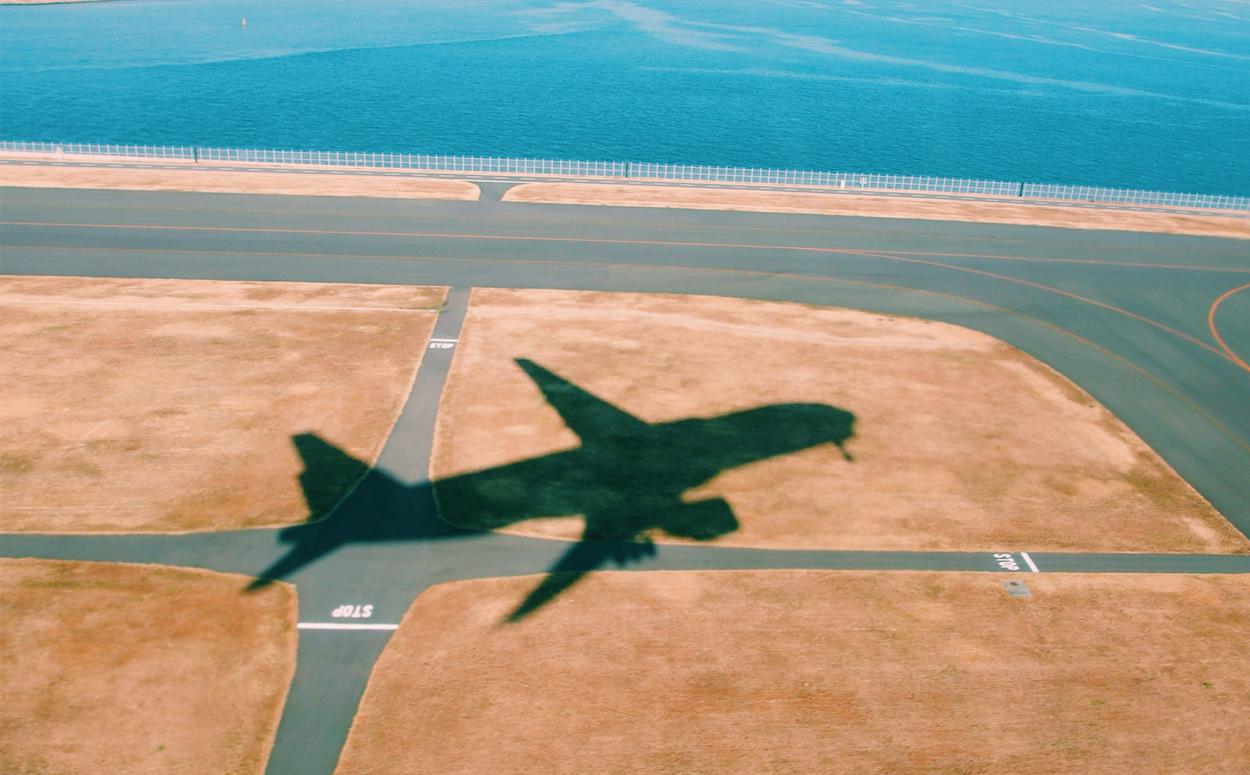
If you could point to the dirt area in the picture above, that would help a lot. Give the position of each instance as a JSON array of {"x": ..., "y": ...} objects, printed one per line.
[
  {"x": 766, "y": 201},
  {"x": 164, "y": 405},
  {"x": 230, "y": 182},
  {"x": 139, "y": 668},
  {"x": 803, "y": 672},
  {"x": 958, "y": 440}
]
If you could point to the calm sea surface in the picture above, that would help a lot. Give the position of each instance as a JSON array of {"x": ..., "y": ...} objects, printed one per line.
[{"x": 1151, "y": 94}]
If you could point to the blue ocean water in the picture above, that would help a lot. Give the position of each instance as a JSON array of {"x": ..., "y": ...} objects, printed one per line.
[{"x": 1152, "y": 94}]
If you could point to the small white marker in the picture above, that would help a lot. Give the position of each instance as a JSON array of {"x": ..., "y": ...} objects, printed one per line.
[
  {"x": 344, "y": 626},
  {"x": 1029, "y": 562}
]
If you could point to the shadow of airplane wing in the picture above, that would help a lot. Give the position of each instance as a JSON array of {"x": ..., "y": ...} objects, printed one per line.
[
  {"x": 587, "y": 415},
  {"x": 301, "y": 554},
  {"x": 580, "y": 559},
  {"x": 701, "y": 520}
]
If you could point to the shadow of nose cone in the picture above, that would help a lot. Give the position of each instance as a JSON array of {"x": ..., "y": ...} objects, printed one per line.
[
  {"x": 815, "y": 422},
  {"x": 793, "y": 427}
]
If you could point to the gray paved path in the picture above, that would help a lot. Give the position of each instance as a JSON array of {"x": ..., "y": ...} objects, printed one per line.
[
  {"x": 333, "y": 666},
  {"x": 1124, "y": 315}
]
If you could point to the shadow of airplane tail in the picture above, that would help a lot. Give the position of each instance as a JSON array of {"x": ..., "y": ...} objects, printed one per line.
[{"x": 348, "y": 502}]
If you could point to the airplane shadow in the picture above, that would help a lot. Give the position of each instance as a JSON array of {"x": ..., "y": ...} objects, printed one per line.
[{"x": 626, "y": 480}]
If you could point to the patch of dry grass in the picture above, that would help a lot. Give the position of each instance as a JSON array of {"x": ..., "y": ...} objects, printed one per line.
[
  {"x": 232, "y": 182},
  {"x": 961, "y": 441},
  {"x": 170, "y": 405},
  {"x": 804, "y": 672},
  {"x": 816, "y": 203},
  {"x": 139, "y": 669}
]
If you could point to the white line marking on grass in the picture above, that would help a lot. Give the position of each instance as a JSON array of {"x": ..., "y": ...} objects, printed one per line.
[
  {"x": 344, "y": 626},
  {"x": 1029, "y": 562}
]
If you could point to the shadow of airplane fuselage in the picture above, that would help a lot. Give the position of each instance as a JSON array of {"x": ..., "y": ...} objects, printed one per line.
[{"x": 626, "y": 480}]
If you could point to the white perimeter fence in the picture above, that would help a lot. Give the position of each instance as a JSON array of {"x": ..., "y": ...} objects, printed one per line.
[{"x": 640, "y": 171}]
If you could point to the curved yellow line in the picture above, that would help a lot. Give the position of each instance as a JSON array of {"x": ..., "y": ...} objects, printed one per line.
[{"x": 1215, "y": 331}]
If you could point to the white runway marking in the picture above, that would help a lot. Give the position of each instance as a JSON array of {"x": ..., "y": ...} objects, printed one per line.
[
  {"x": 1006, "y": 561},
  {"x": 350, "y": 611},
  {"x": 1029, "y": 562},
  {"x": 344, "y": 626}
]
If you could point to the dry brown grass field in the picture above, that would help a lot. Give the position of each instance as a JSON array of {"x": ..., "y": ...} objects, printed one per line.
[
  {"x": 112, "y": 668},
  {"x": 228, "y": 181},
  {"x": 148, "y": 405},
  {"x": 806, "y": 672},
  {"x": 961, "y": 441},
  {"x": 882, "y": 206}
]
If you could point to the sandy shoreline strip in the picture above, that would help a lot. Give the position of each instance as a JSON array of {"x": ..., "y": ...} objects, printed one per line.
[
  {"x": 230, "y": 182},
  {"x": 765, "y": 201}
]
